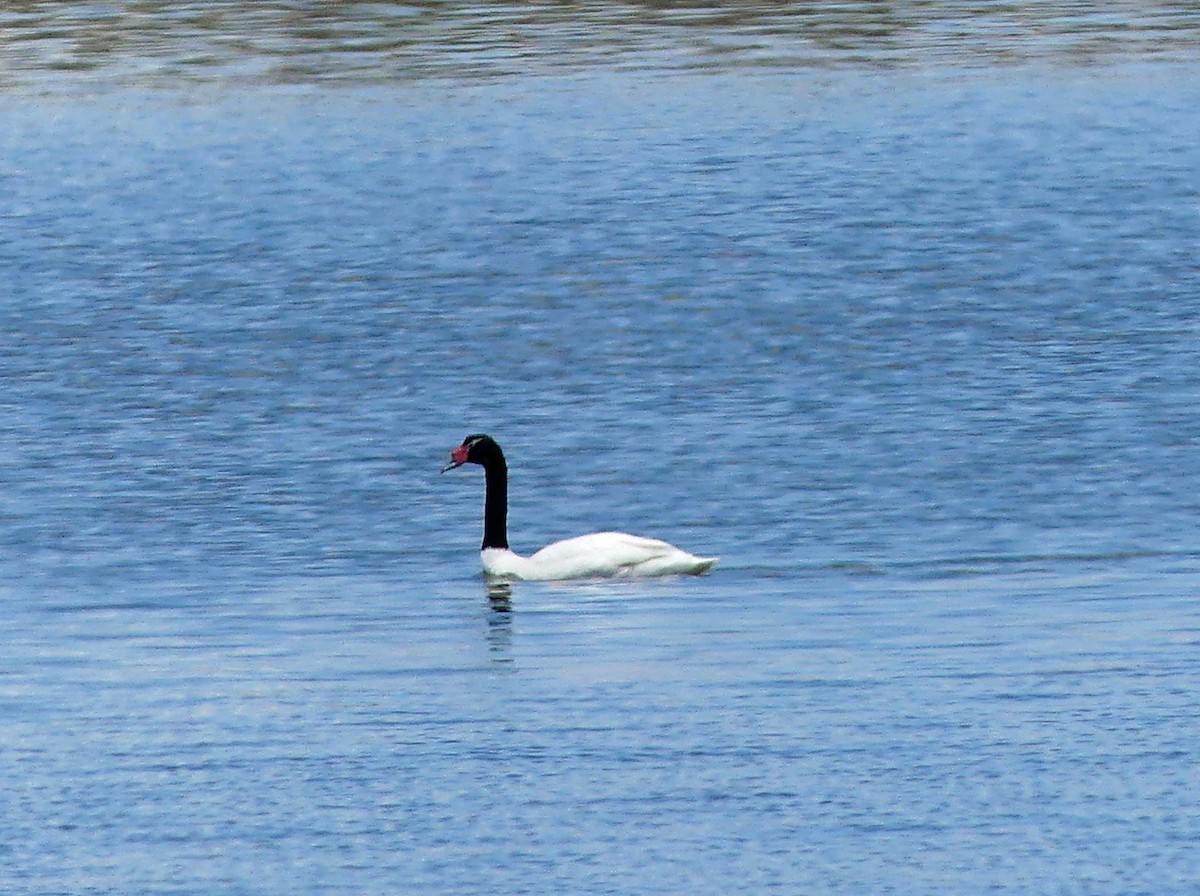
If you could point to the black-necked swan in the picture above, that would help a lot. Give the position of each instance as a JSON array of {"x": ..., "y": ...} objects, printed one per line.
[{"x": 602, "y": 555}]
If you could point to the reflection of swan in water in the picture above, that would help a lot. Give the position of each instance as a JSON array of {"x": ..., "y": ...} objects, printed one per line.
[
  {"x": 499, "y": 621},
  {"x": 602, "y": 555},
  {"x": 500, "y": 596}
]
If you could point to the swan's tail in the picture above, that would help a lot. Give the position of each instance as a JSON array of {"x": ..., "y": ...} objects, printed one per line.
[{"x": 676, "y": 563}]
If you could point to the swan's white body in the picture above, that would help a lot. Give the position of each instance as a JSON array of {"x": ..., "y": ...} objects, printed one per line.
[{"x": 601, "y": 555}]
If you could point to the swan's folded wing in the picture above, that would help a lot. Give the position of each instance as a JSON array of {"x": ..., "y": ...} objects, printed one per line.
[{"x": 615, "y": 554}]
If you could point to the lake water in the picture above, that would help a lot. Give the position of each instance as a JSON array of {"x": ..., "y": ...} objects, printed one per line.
[{"x": 895, "y": 309}]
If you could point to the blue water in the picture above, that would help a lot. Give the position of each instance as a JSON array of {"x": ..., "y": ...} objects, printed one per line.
[{"x": 909, "y": 338}]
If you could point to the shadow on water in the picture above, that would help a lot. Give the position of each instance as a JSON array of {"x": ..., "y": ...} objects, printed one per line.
[{"x": 156, "y": 44}]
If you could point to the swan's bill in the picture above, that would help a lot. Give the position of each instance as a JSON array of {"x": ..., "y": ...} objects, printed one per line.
[{"x": 458, "y": 457}]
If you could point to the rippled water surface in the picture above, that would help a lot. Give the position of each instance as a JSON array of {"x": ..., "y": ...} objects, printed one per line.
[
  {"x": 44, "y": 44},
  {"x": 892, "y": 307}
]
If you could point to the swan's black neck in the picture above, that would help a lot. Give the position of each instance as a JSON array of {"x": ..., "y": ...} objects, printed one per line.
[{"x": 495, "y": 501}]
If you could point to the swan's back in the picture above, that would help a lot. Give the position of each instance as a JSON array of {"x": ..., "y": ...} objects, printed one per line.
[{"x": 600, "y": 555}]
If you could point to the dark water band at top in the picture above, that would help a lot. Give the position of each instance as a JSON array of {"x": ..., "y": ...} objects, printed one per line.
[{"x": 46, "y": 47}]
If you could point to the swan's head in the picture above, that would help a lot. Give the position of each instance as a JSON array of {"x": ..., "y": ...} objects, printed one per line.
[{"x": 476, "y": 449}]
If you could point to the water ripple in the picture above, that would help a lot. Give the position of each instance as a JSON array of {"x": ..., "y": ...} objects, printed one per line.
[{"x": 51, "y": 46}]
